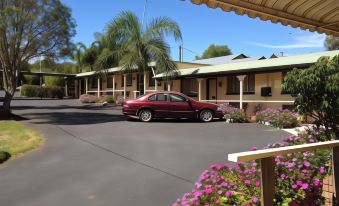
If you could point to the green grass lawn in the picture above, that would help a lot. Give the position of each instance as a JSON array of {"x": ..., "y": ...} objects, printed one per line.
[{"x": 16, "y": 138}]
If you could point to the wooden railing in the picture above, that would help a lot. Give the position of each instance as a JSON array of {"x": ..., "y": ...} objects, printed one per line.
[{"x": 267, "y": 161}]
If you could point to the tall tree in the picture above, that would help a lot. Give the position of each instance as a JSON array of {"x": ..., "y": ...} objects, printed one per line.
[
  {"x": 215, "y": 51},
  {"x": 91, "y": 54},
  {"x": 29, "y": 29},
  {"x": 78, "y": 51},
  {"x": 135, "y": 45},
  {"x": 332, "y": 43}
]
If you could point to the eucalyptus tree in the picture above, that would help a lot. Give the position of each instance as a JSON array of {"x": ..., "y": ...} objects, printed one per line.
[
  {"x": 30, "y": 29},
  {"x": 133, "y": 45}
]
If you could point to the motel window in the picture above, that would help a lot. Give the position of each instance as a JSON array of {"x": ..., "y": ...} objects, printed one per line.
[
  {"x": 189, "y": 87},
  {"x": 94, "y": 83},
  {"x": 129, "y": 80},
  {"x": 151, "y": 81},
  {"x": 233, "y": 84},
  {"x": 110, "y": 82}
]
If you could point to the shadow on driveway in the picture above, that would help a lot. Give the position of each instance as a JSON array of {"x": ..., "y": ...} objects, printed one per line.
[{"x": 74, "y": 118}]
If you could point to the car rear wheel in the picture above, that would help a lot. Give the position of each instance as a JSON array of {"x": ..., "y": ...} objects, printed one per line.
[
  {"x": 206, "y": 115},
  {"x": 145, "y": 115}
]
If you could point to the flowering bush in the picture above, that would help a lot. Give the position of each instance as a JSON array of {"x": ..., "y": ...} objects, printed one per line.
[
  {"x": 120, "y": 100},
  {"x": 233, "y": 114},
  {"x": 298, "y": 179},
  {"x": 278, "y": 118},
  {"x": 86, "y": 98}
]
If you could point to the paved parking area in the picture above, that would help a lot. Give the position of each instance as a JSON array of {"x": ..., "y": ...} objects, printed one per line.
[{"x": 96, "y": 156}]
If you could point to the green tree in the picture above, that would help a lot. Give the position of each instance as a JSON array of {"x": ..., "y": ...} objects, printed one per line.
[
  {"x": 215, "y": 51},
  {"x": 77, "y": 55},
  {"x": 316, "y": 92},
  {"x": 133, "y": 45},
  {"x": 91, "y": 54},
  {"x": 29, "y": 29},
  {"x": 332, "y": 43}
]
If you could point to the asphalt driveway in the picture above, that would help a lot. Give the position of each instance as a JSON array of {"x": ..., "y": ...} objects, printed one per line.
[{"x": 96, "y": 156}]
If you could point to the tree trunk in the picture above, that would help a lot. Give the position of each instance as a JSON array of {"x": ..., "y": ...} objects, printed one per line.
[{"x": 6, "y": 107}]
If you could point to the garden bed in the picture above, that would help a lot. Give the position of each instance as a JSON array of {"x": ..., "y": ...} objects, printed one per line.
[
  {"x": 102, "y": 100},
  {"x": 299, "y": 178}
]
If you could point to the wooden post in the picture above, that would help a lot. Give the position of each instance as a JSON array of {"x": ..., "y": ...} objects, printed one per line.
[
  {"x": 199, "y": 88},
  {"x": 66, "y": 88},
  {"x": 125, "y": 86},
  {"x": 98, "y": 87},
  {"x": 241, "y": 80},
  {"x": 86, "y": 85},
  {"x": 113, "y": 85},
  {"x": 335, "y": 171},
  {"x": 267, "y": 181}
]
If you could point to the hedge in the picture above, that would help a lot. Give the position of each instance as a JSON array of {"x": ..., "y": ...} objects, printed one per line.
[{"x": 42, "y": 92}]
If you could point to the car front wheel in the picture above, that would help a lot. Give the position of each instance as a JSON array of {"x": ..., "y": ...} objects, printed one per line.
[
  {"x": 206, "y": 115},
  {"x": 145, "y": 115}
]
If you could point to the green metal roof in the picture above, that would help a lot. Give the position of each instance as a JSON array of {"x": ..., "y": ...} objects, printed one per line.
[{"x": 255, "y": 65}]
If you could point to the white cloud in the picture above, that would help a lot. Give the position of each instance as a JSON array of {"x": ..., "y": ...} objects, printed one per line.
[{"x": 310, "y": 41}]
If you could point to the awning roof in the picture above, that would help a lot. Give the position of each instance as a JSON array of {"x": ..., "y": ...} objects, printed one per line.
[
  {"x": 256, "y": 65},
  {"x": 315, "y": 15}
]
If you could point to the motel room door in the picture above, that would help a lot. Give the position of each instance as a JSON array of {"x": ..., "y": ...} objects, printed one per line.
[{"x": 211, "y": 89}]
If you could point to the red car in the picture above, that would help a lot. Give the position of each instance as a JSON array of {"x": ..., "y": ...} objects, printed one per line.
[{"x": 170, "y": 105}]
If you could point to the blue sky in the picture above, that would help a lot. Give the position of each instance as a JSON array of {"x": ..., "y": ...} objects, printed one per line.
[{"x": 200, "y": 25}]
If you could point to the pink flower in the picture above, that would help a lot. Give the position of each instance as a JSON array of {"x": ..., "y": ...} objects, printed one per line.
[
  {"x": 257, "y": 184},
  {"x": 294, "y": 186},
  {"x": 247, "y": 182},
  {"x": 255, "y": 199},
  {"x": 228, "y": 193},
  {"x": 316, "y": 182},
  {"x": 307, "y": 164},
  {"x": 304, "y": 186},
  {"x": 322, "y": 170},
  {"x": 253, "y": 148}
]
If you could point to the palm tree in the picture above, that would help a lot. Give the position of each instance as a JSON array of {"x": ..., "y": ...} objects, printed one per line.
[
  {"x": 77, "y": 54},
  {"x": 134, "y": 46}
]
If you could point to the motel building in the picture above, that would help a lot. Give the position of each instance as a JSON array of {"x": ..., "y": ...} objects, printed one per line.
[{"x": 242, "y": 81}]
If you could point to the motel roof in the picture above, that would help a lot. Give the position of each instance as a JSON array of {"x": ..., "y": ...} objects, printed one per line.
[
  {"x": 314, "y": 15},
  {"x": 280, "y": 63},
  {"x": 116, "y": 70}
]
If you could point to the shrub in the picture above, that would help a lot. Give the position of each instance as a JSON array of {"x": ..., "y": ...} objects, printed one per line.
[
  {"x": 298, "y": 178},
  {"x": 110, "y": 99},
  {"x": 316, "y": 92},
  {"x": 278, "y": 118},
  {"x": 233, "y": 114},
  {"x": 4, "y": 156},
  {"x": 86, "y": 98},
  {"x": 46, "y": 91}
]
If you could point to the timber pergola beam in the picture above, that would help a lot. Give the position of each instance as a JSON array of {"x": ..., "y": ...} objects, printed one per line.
[{"x": 267, "y": 160}]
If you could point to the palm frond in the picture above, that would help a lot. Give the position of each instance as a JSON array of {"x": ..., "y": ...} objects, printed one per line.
[{"x": 161, "y": 26}]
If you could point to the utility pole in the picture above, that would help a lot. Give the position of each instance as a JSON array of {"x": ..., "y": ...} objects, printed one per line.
[{"x": 143, "y": 14}]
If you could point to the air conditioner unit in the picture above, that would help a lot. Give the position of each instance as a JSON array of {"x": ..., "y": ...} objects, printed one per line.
[{"x": 266, "y": 91}]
